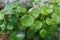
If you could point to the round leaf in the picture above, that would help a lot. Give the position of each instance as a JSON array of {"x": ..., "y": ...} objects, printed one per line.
[
  {"x": 27, "y": 20},
  {"x": 43, "y": 33},
  {"x": 34, "y": 12},
  {"x": 44, "y": 10},
  {"x": 37, "y": 25},
  {"x": 48, "y": 21},
  {"x": 9, "y": 27}
]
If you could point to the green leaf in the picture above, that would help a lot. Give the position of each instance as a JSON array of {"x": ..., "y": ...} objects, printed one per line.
[
  {"x": 3, "y": 26},
  {"x": 44, "y": 10},
  {"x": 1, "y": 15},
  {"x": 27, "y": 20},
  {"x": 33, "y": 29},
  {"x": 36, "y": 37},
  {"x": 12, "y": 19},
  {"x": 37, "y": 2},
  {"x": 15, "y": 12},
  {"x": 1, "y": 22},
  {"x": 9, "y": 27},
  {"x": 20, "y": 35},
  {"x": 34, "y": 12},
  {"x": 57, "y": 9},
  {"x": 43, "y": 33},
  {"x": 21, "y": 9},
  {"x": 56, "y": 17},
  {"x": 37, "y": 25},
  {"x": 51, "y": 6},
  {"x": 51, "y": 21},
  {"x": 55, "y": 1},
  {"x": 21, "y": 27},
  {"x": 31, "y": 0},
  {"x": 14, "y": 4},
  {"x": 49, "y": 10},
  {"x": 30, "y": 33},
  {"x": 52, "y": 30},
  {"x": 12, "y": 36},
  {"x": 48, "y": 21},
  {"x": 30, "y": 3},
  {"x": 9, "y": 7}
]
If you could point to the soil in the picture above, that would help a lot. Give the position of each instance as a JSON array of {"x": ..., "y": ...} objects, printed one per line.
[{"x": 3, "y": 36}]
